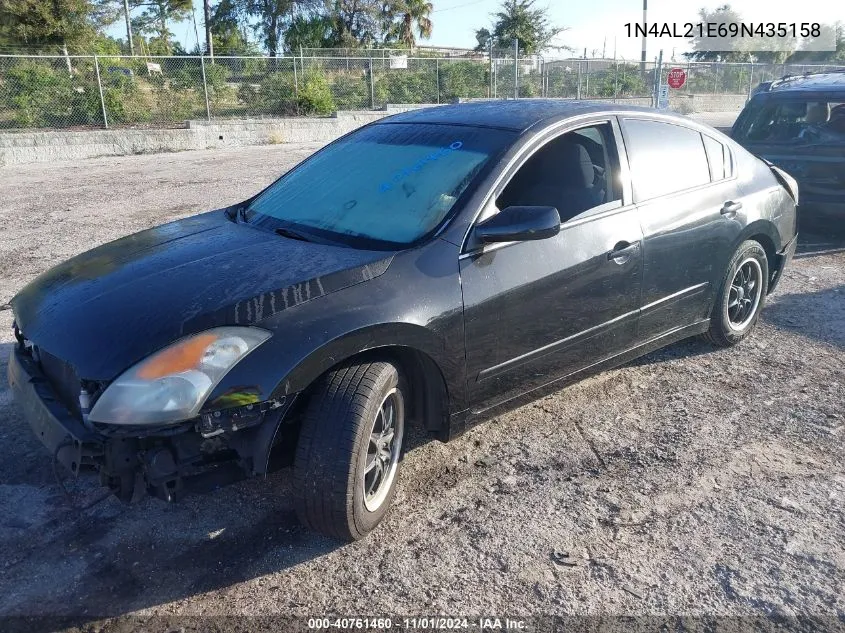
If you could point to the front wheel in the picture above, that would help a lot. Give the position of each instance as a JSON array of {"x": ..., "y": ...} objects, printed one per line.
[
  {"x": 741, "y": 297},
  {"x": 347, "y": 457}
]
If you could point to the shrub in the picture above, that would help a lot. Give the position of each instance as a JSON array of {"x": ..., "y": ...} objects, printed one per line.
[
  {"x": 406, "y": 86},
  {"x": 173, "y": 100},
  {"x": 463, "y": 80},
  {"x": 125, "y": 102},
  {"x": 275, "y": 95},
  {"x": 41, "y": 96},
  {"x": 315, "y": 96},
  {"x": 351, "y": 90}
]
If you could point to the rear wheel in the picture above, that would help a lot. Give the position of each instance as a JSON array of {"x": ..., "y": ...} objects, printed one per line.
[
  {"x": 347, "y": 457},
  {"x": 741, "y": 297}
]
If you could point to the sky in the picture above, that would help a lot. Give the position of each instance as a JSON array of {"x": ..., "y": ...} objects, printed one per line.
[{"x": 597, "y": 25}]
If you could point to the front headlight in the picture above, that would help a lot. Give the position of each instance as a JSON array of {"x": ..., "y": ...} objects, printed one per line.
[{"x": 172, "y": 384}]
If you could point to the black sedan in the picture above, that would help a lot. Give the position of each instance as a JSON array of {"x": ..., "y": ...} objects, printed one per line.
[{"x": 435, "y": 268}]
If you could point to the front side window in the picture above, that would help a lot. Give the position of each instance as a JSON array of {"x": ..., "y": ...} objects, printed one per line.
[
  {"x": 574, "y": 172},
  {"x": 792, "y": 121},
  {"x": 665, "y": 158},
  {"x": 385, "y": 186}
]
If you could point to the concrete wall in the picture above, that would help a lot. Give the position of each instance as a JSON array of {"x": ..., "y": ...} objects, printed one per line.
[{"x": 17, "y": 148}]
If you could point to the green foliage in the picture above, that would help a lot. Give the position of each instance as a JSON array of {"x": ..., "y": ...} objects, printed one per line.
[
  {"x": 41, "y": 96},
  {"x": 351, "y": 90},
  {"x": 463, "y": 80},
  {"x": 406, "y": 86},
  {"x": 125, "y": 103},
  {"x": 314, "y": 31},
  {"x": 519, "y": 19},
  {"x": 408, "y": 18},
  {"x": 315, "y": 96},
  {"x": 275, "y": 95},
  {"x": 154, "y": 19},
  {"x": 47, "y": 24}
]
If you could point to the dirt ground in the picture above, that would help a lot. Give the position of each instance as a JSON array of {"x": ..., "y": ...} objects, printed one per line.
[{"x": 694, "y": 481}]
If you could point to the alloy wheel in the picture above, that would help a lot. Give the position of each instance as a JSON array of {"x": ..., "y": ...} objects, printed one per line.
[
  {"x": 383, "y": 449},
  {"x": 744, "y": 295}
]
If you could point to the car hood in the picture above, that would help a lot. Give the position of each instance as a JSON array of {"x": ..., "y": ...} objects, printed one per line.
[{"x": 108, "y": 308}]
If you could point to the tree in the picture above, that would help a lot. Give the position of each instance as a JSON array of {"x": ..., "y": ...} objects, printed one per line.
[
  {"x": 153, "y": 22},
  {"x": 312, "y": 31},
  {"x": 519, "y": 20},
  {"x": 45, "y": 24},
  {"x": 270, "y": 19},
  {"x": 733, "y": 49},
  {"x": 229, "y": 25},
  {"x": 359, "y": 22},
  {"x": 484, "y": 38},
  {"x": 804, "y": 56},
  {"x": 413, "y": 16},
  {"x": 209, "y": 39}
]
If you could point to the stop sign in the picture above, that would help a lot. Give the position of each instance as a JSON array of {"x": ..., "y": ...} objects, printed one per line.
[{"x": 677, "y": 77}]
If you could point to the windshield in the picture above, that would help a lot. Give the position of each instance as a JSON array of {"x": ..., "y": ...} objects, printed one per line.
[
  {"x": 384, "y": 186},
  {"x": 793, "y": 121}
]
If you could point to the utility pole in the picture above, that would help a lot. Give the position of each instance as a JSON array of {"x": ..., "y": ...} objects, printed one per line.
[
  {"x": 516, "y": 68},
  {"x": 657, "y": 78},
  {"x": 128, "y": 27},
  {"x": 209, "y": 45},
  {"x": 492, "y": 70},
  {"x": 645, "y": 28}
]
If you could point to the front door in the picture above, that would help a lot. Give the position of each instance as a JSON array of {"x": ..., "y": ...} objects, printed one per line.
[{"x": 538, "y": 310}]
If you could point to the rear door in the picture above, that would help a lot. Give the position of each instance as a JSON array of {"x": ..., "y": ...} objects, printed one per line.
[
  {"x": 539, "y": 310},
  {"x": 690, "y": 209}
]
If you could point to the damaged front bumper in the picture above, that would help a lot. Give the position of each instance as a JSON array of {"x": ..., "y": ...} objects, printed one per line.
[{"x": 214, "y": 449}]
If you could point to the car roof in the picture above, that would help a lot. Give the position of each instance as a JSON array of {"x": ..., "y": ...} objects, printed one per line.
[
  {"x": 512, "y": 114},
  {"x": 814, "y": 82}
]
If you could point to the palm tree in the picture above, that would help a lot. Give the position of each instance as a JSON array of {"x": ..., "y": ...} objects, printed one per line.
[{"x": 410, "y": 13}]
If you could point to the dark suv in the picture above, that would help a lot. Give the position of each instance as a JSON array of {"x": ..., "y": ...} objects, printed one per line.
[{"x": 798, "y": 123}]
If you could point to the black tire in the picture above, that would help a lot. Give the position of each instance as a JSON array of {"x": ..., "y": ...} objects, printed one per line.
[
  {"x": 334, "y": 450},
  {"x": 728, "y": 323}
]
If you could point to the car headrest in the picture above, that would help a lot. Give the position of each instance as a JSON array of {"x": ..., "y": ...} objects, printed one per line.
[
  {"x": 576, "y": 166},
  {"x": 817, "y": 113}
]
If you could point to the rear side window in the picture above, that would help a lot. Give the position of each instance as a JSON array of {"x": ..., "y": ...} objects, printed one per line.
[
  {"x": 665, "y": 158},
  {"x": 719, "y": 159}
]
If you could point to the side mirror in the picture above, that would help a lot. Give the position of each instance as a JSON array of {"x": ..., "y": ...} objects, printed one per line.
[{"x": 517, "y": 224}]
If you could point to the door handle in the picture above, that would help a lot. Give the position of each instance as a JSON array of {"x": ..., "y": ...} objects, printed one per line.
[
  {"x": 730, "y": 208},
  {"x": 623, "y": 251}
]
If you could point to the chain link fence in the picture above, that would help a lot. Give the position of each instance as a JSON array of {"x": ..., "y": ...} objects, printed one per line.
[{"x": 38, "y": 92}]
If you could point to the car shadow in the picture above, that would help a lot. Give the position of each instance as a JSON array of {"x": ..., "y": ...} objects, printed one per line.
[
  {"x": 95, "y": 557},
  {"x": 818, "y": 315}
]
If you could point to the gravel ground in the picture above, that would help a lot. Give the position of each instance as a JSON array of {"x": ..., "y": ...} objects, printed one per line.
[{"x": 694, "y": 481}]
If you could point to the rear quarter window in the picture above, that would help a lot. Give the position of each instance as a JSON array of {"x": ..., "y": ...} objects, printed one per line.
[
  {"x": 665, "y": 158},
  {"x": 719, "y": 159}
]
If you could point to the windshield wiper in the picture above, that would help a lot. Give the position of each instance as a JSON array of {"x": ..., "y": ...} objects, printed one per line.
[{"x": 294, "y": 235}]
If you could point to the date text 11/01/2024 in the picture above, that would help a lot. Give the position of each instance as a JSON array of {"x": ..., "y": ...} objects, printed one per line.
[
  {"x": 419, "y": 623},
  {"x": 769, "y": 30}
]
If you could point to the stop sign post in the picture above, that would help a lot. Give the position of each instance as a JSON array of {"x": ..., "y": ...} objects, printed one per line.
[{"x": 677, "y": 78}]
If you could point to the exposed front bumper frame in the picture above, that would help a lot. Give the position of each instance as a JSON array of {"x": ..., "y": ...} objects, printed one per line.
[
  {"x": 162, "y": 462},
  {"x": 67, "y": 439}
]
